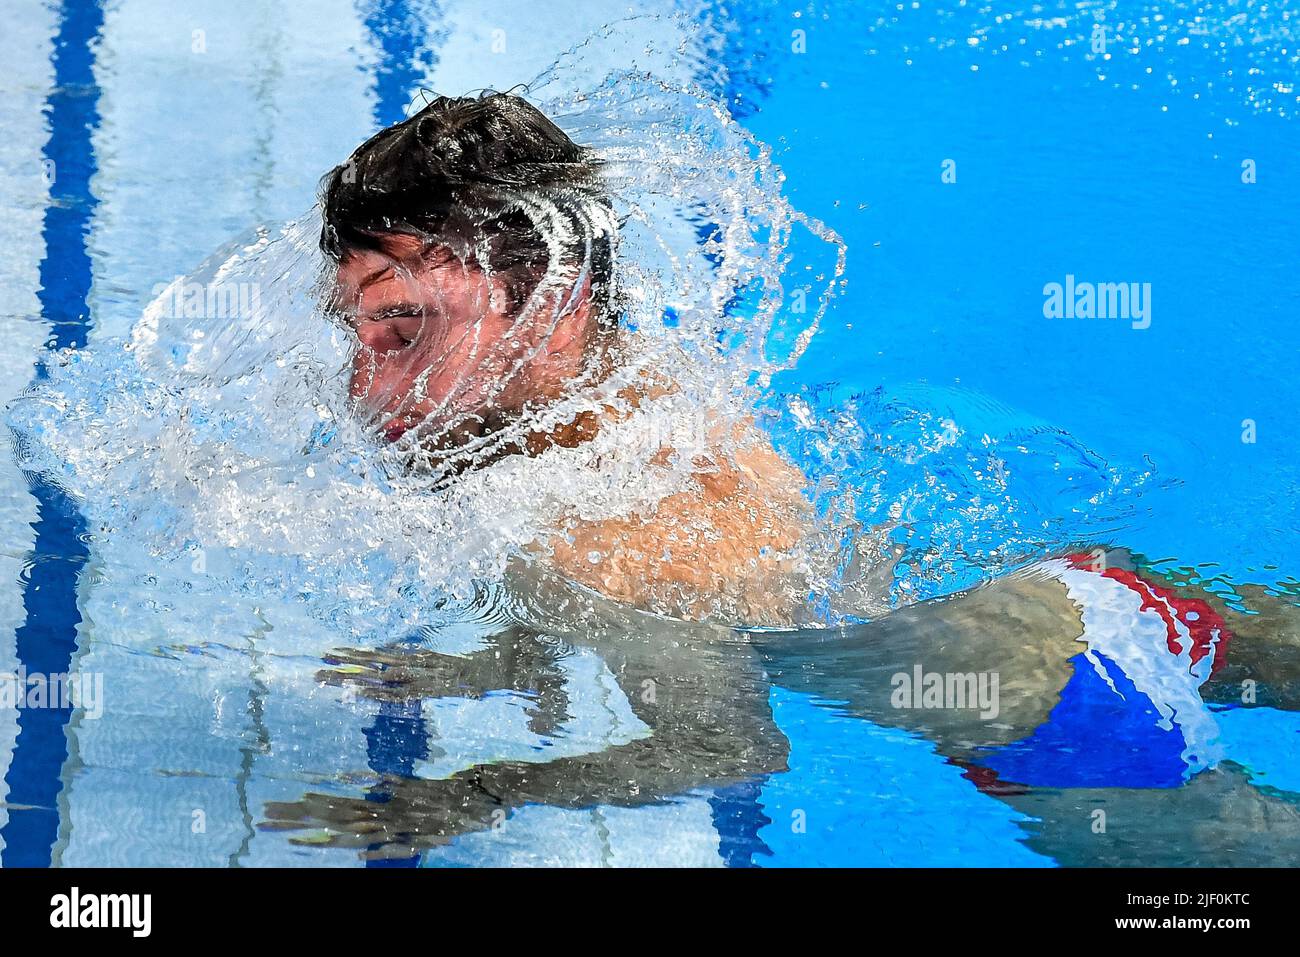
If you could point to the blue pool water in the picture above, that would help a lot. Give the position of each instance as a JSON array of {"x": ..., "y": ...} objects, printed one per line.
[{"x": 1147, "y": 710}]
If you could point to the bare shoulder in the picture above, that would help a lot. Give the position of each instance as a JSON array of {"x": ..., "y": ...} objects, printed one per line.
[{"x": 719, "y": 548}]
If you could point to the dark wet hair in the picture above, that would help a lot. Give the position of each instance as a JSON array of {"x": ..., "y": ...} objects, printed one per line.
[{"x": 456, "y": 172}]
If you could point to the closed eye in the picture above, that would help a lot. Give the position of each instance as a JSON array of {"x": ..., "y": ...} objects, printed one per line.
[
  {"x": 403, "y": 320},
  {"x": 406, "y": 327},
  {"x": 390, "y": 334},
  {"x": 398, "y": 311}
]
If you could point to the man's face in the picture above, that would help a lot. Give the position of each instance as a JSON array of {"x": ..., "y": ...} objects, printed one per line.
[{"x": 443, "y": 351}]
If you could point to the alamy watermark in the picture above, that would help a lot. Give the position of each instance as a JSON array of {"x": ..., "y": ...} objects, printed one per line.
[
  {"x": 23, "y": 689},
  {"x": 1130, "y": 301},
  {"x": 951, "y": 690},
  {"x": 213, "y": 300},
  {"x": 76, "y": 910}
]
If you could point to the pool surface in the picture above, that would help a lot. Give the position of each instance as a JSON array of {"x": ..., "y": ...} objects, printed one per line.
[{"x": 1134, "y": 687}]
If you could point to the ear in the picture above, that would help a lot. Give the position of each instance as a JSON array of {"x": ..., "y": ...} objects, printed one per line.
[
  {"x": 574, "y": 327},
  {"x": 560, "y": 332},
  {"x": 578, "y": 303}
]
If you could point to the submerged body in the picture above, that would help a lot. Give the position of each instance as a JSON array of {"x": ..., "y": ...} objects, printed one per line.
[{"x": 1110, "y": 686}]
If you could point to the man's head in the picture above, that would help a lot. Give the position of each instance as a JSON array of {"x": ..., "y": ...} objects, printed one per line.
[{"x": 474, "y": 245}]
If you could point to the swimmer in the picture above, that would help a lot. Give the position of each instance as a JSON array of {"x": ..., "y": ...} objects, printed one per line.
[
  {"x": 1111, "y": 682},
  {"x": 475, "y": 251}
]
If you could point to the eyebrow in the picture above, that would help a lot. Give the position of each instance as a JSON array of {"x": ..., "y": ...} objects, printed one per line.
[
  {"x": 371, "y": 277},
  {"x": 433, "y": 255}
]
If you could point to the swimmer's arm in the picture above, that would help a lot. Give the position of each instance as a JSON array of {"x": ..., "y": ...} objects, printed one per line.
[{"x": 704, "y": 704}]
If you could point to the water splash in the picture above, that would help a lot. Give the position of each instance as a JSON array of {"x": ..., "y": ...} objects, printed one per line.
[
  {"x": 926, "y": 492},
  {"x": 1189, "y": 49},
  {"x": 220, "y": 446}
]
